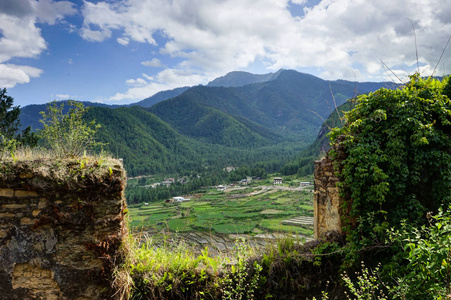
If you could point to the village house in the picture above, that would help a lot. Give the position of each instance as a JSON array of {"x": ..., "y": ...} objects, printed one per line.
[
  {"x": 168, "y": 181},
  {"x": 278, "y": 180},
  {"x": 304, "y": 183},
  {"x": 220, "y": 188},
  {"x": 230, "y": 169},
  {"x": 179, "y": 199}
]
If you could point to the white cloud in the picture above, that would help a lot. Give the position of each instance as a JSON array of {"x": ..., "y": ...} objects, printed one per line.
[
  {"x": 10, "y": 74},
  {"x": 373, "y": 67},
  {"x": 154, "y": 62},
  {"x": 165, "y": 80},
  {"x": 299, "y": 2},
  {"x": 341, "y": 38},
  {"x": 123, "y": 41},
  {"x": 136, "y": 82},
  {"x": 21, "y": 38},
  {"x": 49, "y": 11},
  {"x": 66, "y": 97},
  {"x": 96, "y": 35},
  {"x": 100, "y": 19}
]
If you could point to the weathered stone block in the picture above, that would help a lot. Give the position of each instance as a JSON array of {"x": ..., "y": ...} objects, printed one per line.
[
  {"x": 14, "y": 206},
  {"x": 6, "y": 192},
  {"x": 26, "y": 175},
  {"x": 26, "y": 221},
  {"x": 43, "y": 202},
  {"x": 22, "y": 193},
  {"x": 7, "y": 215},
  {"x": 39, "y": 283}
]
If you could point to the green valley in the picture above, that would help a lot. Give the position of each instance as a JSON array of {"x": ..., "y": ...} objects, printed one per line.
[{"x": 260, "y": 210}]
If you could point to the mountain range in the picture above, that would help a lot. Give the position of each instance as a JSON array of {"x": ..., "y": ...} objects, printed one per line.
[{"x": 236, "y": 119}]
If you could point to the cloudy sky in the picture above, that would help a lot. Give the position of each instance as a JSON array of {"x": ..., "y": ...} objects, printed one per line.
[{"x": 122, "y": 51}]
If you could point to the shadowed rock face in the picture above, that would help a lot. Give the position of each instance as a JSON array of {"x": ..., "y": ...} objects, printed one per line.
[
  {"x": 327, "y": 201},
  {"x": 61, "y": 226}
]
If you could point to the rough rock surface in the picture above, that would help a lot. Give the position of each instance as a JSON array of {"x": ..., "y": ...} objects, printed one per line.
[
  {"x": 61, "y": 226},
  {"x": 327, "y": 200}
]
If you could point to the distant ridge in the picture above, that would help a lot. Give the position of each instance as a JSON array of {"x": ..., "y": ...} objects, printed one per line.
[
  {"x": 239, "y": 78},
  {"x": 160, "y": 96},
  {"x": 30, "y": 114}
]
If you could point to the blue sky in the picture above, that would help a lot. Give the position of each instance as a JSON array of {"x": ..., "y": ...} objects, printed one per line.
[{"x": 122, "y": 51}]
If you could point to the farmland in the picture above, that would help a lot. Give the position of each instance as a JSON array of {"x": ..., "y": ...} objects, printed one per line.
[{"x": 258, "y": 211}]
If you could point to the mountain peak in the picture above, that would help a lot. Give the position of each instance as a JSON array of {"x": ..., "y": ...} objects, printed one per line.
[{"x": 240, "y": 78}]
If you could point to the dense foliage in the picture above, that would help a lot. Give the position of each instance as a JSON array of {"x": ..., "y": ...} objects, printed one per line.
[
  {"x": 398, "y": 155},
  {"x": 427, "y": 251}
]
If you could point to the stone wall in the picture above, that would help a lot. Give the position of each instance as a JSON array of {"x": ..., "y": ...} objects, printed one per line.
[
  {"x": 326, "y": 200},
  {"x": 61, "y": 226}
]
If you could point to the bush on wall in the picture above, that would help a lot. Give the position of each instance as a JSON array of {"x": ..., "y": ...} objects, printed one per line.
[{"x": 398, "y": 155}]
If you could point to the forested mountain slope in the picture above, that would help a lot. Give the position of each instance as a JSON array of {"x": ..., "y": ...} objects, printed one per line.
[
  {"x": 149, "y": 145},
  {"x": 304, "y": 163},
  {"x": 210, "y": 126},
  {"x": 293, "y": 105}
]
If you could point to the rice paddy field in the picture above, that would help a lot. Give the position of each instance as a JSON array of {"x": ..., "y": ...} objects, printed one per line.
[{"x": 250, "y": 210}]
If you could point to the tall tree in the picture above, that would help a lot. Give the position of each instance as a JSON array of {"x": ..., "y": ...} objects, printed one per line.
[
  {"x": 10, "y": 124},
  {"x": 9, "y": 116}
]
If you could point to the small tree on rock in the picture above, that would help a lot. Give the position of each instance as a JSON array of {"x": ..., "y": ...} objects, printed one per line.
[{"x": 68, "y": 135}]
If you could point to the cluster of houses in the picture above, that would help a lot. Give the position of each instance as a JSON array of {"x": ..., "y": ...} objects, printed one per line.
[
  {"x": 279, "y": 180},
  {"x": 222, "y": 188},
  {"x": 276, "y": 181},
  {"x": 166, "y": 182}
]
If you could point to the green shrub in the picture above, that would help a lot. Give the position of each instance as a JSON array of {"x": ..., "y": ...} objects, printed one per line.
[
  {"x": 427, "y": 252},
  {"x": 67, "y": 135},
  {"x": 171, "y": 272},
  {"x": 366, "y": 286},
  {"x": 242, "y": 281}
]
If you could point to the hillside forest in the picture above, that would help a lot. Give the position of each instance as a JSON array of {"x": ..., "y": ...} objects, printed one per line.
[{"x": 240, "y": 119}]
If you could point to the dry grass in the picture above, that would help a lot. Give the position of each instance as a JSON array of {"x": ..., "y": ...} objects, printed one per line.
[
  {"x": 27, "y": 153},
  {"x": 123, "y": 281}
]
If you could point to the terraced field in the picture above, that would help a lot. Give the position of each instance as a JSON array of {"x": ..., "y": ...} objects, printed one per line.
[{"x": 251, "y": 211}]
